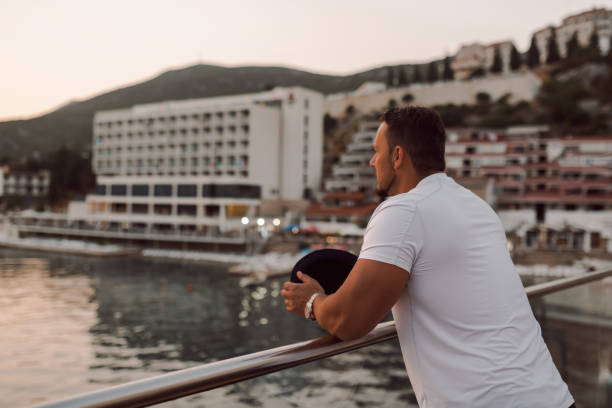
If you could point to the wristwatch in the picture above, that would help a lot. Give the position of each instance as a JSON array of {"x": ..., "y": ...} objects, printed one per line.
[{"x": 309, "y": 310}]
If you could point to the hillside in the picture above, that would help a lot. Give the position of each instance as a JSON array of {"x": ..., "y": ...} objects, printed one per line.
[{"x": 71, "y": 124}]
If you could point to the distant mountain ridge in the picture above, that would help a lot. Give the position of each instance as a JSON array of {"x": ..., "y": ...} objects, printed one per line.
[{"x": 71, "y": 124}]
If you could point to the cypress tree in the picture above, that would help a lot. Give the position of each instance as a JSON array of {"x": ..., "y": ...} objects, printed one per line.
[
  {"x": 448, "y": 74},
  {"x": 390, "y": 77},
  {"x": 432, "y": 72},
  {"x": 496, "y": 67},
  {"x": 402, "y": 77},
  {"x": 594, "y": 42},
  {"x": 573, "y": 48},
  {"x": 533, "y": 55},
  {"x": 515, "y": 59},
  {"x": 552, "y": 48},
  {"x": 417, "y": 76}
]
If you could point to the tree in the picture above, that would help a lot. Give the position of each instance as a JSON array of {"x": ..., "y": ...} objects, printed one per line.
[
  {"x": 515, "y": 59},
  {"x": 477, "y": 73},
  {"x": 594, "y": 43},
  {"x": 432, "y": 72},
  {"x": 448, "y": 74},
  {"x": 349, "y": 111},
  {"x": 552, "y": 48},
  {"x": 390, "y": 77},
  {"x": 573, "y": 48},
  {"x": 483, "y": 98},
  {"x": 407, "y": 98},
  {"x": 533, "y": 55},
  {"x": 417, "y": 76},
  {"x": 497, "y": 66},
  {"x": 70, "y": 173},
  {"x": 402, "y": 77},
  {"x": 392, "y": 103},
  {"x": 329, "y": 123}
]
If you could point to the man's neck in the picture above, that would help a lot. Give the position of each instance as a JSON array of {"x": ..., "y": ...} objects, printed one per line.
[{"x": 409, "y": 181}]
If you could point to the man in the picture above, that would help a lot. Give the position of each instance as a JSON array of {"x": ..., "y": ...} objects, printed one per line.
[{"x": 435, "y": 254}]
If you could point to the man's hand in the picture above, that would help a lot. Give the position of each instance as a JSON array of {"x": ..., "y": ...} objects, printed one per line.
[{"x": 297, "y": 294}]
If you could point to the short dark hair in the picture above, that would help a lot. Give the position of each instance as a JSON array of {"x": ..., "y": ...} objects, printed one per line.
[{"x": 421, "y": 133}]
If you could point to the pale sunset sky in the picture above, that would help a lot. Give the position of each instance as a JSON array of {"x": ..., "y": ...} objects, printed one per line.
[{"x": 53, "y": 51}]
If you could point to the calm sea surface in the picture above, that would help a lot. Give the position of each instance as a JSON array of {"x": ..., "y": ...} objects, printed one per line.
[{"x": 72, "y": 324}]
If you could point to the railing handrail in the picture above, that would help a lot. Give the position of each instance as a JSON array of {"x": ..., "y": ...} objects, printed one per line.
[{"x": 206, "y": 377}]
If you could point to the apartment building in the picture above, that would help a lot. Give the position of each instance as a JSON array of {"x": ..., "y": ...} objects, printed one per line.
[
  {"x": 472, "y": 57},
  {"x": 583, "y": 24},
  {"x": 352, "y": 173},
  {"x": 24, "y": 183},
  {"x": 534, "y": 180}
]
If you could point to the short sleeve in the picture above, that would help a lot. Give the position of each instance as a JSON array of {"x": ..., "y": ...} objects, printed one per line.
[{"x": 391, "y": 235}]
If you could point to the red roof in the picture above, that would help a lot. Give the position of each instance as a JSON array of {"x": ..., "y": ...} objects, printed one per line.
[
  {"x": 547, "y": 197},
  {"x": 359, "y": 195}
]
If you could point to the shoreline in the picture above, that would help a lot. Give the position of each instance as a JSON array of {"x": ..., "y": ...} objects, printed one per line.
[{"x": 255, "y": 267}]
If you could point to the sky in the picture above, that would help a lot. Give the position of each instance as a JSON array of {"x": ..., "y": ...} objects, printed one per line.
[{"x": 55, "y": 51}]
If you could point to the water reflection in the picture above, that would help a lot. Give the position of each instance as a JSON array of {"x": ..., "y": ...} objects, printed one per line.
[
  {"x": 72, "y": 324},
  {"x": 577, "y": 326}
]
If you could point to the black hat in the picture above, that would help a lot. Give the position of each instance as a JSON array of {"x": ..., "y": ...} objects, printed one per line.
[{"x": 329, "y": 267}]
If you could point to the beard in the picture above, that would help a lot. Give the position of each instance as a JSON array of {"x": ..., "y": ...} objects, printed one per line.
[{"x": 383, "y": 192}]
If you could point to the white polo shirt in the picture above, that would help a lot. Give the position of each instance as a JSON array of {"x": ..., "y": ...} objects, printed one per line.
[{"x": 467, "y": 333}]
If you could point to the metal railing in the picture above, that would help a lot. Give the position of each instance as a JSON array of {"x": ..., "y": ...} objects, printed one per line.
[{"x": 206, "y": 377}]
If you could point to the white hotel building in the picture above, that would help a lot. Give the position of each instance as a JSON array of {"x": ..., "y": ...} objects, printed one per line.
[{"x": 197, "y": 167}]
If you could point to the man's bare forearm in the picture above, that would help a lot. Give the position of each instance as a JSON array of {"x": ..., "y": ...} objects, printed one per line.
[{"x": 337, "y": 322}]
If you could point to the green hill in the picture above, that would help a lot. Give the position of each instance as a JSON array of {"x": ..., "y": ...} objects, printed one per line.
[{"x": 71, "y": 125}]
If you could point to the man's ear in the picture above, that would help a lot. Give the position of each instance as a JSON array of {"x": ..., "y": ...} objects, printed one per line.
[{"x": 398, "y": 157}]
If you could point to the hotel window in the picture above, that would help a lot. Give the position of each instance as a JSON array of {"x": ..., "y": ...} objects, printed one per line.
[
  {"x": 190, "y": 210},
  {"x": 211, "y": 210},
  {"x": 140, "y": 209},
  {"x": 101, "y": 189},
  {"x": 306, "y": 103},
  {"x": 118, "y": 189},
  {"x": 305, "y": 120},
  {"x": 162, "y": 209},
  {"x": 163, "y": 190},
  {"x": 140, "y": 190}
]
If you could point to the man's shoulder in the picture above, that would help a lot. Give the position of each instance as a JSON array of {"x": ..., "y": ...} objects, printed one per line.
[{"x": 413, "y": 198}]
